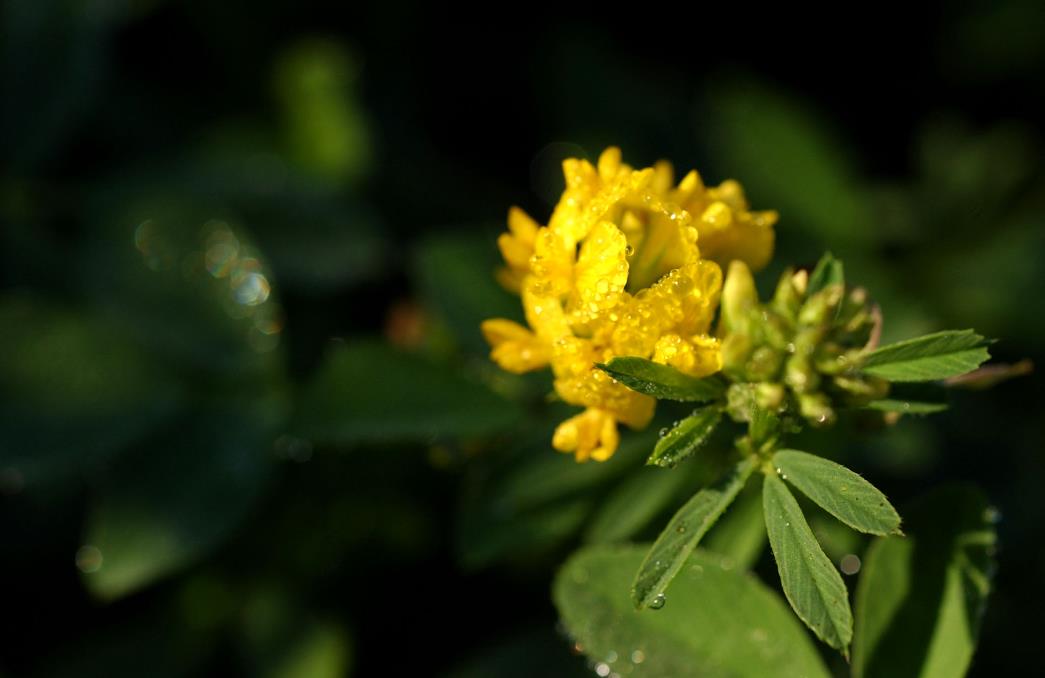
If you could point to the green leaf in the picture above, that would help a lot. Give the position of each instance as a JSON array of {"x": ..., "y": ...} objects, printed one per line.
[
  {"x": 839, "y": 491},
  {"x": 319, "y": 650},
  {"x": 633, "y": 504},
  {"x": 170, "y": 503},
  {"x": 929, "y": 358},
  {"x": 531, "y": 652},
  {"x": 920, "y": 599},
  {"x": 811, "y": 583},
  {"x": 661, "y": 381},
  {"x": 682, "y": 534},
  {"x": 740, "y": 534},
  {"x": 76, "y": 389},
  {"x": 828, "y": 271},
  {"x": 686, "y": 437},
  {"x": 370, "y": 392},
  {"x": 526, "y": 504},
  {"x": 717, "y": 622},
  {"x": 463, "y": 296},
  {"x": 790, "y": 159},
  {"x": 905, "y": 406}
]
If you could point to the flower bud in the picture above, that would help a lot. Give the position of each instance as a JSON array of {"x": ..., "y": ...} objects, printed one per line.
[{"x": 738, "y": 296}]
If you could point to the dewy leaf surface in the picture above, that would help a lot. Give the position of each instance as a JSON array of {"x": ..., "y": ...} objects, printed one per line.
[
  {"x": 686, "y": 437},
  {"x": 810, "y": 581},
  {"x": 929, "y": 358},
  {"x": 839, "y": 491},
  {"x": 661, "y": 381},
  {"x": 716, "y": 622},
  {"x": 683, "y": 533}
]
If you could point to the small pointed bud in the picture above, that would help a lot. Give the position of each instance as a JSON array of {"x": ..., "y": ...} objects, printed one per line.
[
  {"x": 788, "y": 299},
  {"x": 764, "y": 364},
  {"x": 771, "y": 396},
  {"x": 741, "y": 401},
  {"x": 820, "y": 308},
  {"x": 735, "y": 351},
  {"x": 800, "y": 375},
  {"x": 738, "y": 295},
  {"x": 816, "y": 407},
  {"x": 800, "y": 280}
]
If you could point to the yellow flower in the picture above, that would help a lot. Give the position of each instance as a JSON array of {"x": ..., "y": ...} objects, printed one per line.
[{"x": 617, "y": 272}]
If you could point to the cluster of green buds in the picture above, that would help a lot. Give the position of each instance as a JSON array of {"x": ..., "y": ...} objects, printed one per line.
[{"x": 798, "y": 354}]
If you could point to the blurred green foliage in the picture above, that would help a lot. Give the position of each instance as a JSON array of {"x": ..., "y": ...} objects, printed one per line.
[{"x": 248, "y": 425}]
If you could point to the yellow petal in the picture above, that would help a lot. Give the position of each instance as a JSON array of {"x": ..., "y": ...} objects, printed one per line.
[
  {"x": 544, "y": 314},
  {"x": 602, "y": 269},
  {"x": 738, "y": 296},
  {"x": 697, "y": 356},
  {"x": 683, "y": 302},
  {"x": 522, "y": 226},
  {"x": 515, "y": 348},
  {"x": 592, "y": 434},
  {"x": 594, "y": 388},
  {"x": 609, "y": 163}
]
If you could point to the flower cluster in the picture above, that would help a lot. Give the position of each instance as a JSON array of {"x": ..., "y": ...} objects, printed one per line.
[
  {"x": 799, "y": 352},
  {"x": 618, "y": 272}
]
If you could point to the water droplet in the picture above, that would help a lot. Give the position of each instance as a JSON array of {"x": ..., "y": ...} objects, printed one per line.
[
  {"x": 681, "y": 529},
  {"x": 88, "y": 559},
  {"x": 658, "y": 601},
  {"x": 850, "y": 563},
  {"x": 663, "y": 432}
]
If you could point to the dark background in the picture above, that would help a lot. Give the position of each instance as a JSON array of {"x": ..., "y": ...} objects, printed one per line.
[{"x": 369, "y": 155}]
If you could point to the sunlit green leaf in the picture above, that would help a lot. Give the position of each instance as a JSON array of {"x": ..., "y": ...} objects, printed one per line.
[
  {"x": 662, "y": 381},
  {"x": 685, "y": 438},
  {"x": 920, "y": 599},
  {"x": 811, "y": 583},
  {"x": 839, "y": 491},
  {"x": 367, "y": 391},
  {"x": 715, "y": 622},
  {"x": 929, "y": 358},
  {"x": 683, "y": 533}
]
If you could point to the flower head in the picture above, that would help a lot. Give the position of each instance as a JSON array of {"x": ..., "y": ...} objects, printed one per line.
[{"x": 617, "y": 272}]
